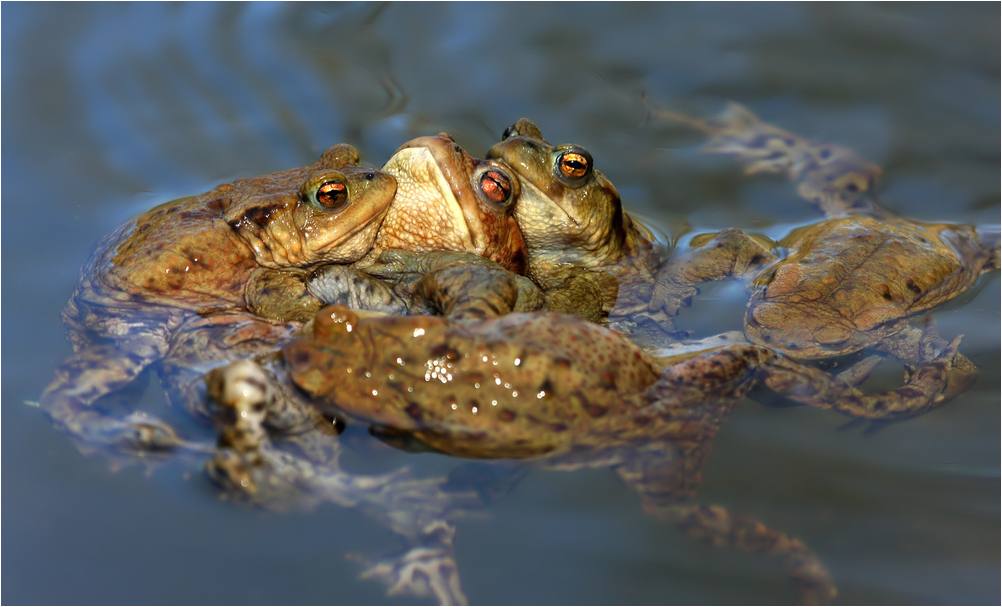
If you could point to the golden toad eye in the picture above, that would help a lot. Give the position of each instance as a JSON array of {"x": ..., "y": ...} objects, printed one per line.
[
  {"x": 573, "y": 165},
  {"x": 496, "y": 186},
  {"x": 332, "y": 195}
]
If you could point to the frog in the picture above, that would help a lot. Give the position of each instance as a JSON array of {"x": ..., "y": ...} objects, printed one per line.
[
  {"x": 849, "y": 283},
  {"x": 563, "y": 392},
  {"x": 186, "y": 264},
  {"x": 590, "y": 256}
]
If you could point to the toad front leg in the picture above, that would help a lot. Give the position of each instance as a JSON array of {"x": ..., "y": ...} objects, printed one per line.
[
  {"x": 462, "y": 286},
  {"x": 281, "y": 295},
  {"x": 730, "y": 253},
  {"x": 95, "y": 371}
]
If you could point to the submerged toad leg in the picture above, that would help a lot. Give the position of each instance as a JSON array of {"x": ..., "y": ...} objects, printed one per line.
[
  {"x": 97, "y": 370},
  {"x": 281, "y": 295},
  {"x": 913, "y": 346},
  {"x": 668, "y": 472},
  {"x": 834, "y": 178},
  {"x": 249, "y": 466},
  {"x": 717, "y": 526},
  {"x": 730, "y": 253},
  {"x": 938, "y": 377}
]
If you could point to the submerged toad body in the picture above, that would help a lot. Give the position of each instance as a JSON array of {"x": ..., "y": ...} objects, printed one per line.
[{"x": 843, "y": 284}]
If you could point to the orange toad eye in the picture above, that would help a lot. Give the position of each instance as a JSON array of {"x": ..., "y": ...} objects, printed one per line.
[
  {"x": 573, "y": 165},
  {"x": 496, "y": 186},
  {"x": 332, "y": 195}
]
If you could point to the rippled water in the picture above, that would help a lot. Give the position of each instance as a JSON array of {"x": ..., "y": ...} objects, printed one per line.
[{"x": 110, "y": 109}]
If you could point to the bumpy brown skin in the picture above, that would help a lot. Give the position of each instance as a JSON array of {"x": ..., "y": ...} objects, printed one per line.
[
  {"x": 443, "y": 234},
  {"x": 188, "y": 261},
  {"x": 572, "y": 393},
  {"x": 844, "y": 284},
  {"x": 441, "y": 205},
  {"x": 850, "y": 281},
  {"x": 198, "y": 252},
  {"x": 535, "y": 363},
  {"x": 583, "y": 247}
]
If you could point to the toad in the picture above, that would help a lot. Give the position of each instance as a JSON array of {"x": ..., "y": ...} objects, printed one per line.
[{"x": 836, "y": 287}]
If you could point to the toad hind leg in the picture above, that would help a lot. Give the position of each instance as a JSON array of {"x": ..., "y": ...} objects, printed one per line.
[
  {"x": 667, "y": 480},
  {"x": 932, "y": 382},
  {"x": 833, "y": 178},
  {"x": 717, "y": 526},
  {"x": 96, "y": 371},
  {"x": 913, "y": 346}
]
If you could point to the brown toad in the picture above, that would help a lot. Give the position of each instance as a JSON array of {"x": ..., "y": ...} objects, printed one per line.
[
  {"x": 838, "y": 286},
  {"x": 186, "y": 264},
  {"x": 589, "y": 255},
  {"x": 222, "y": 276},
  {"x": 547, "y": 387}
]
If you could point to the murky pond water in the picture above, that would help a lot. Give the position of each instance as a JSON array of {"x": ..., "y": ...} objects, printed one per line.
[{"x": 111, "y": 109}]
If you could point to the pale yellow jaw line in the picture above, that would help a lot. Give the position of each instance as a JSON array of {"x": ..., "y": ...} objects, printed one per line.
[
  {"x": 402, "y": 166},
  {"x": 530, "y": 188}
]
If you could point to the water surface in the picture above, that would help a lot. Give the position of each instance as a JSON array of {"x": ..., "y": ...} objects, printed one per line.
[{"x": 110, "y": 109}]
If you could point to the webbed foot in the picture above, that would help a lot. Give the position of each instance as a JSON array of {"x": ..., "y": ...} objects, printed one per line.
[
  {"x": 940, "y": 373},
  {"x": 425, "y": 570},
  {"x": 917, "y": 348},
  {"x": 717, "y": 526}
]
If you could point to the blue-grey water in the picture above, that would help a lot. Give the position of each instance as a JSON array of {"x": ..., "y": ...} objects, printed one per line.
[{"x": 109, "y": 109}]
